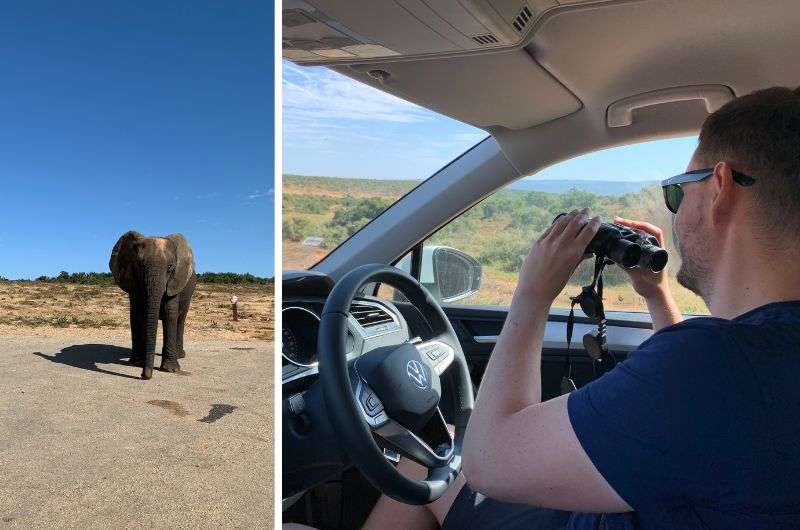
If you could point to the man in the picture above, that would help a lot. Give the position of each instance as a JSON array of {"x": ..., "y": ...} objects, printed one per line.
[{"x": 700, "y": 426}]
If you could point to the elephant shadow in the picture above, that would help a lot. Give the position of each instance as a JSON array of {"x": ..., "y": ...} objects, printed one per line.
[{"x": 90, "y": 356}]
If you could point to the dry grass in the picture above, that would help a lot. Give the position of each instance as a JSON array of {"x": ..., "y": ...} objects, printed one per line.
[{"x": 58, "y": 310}]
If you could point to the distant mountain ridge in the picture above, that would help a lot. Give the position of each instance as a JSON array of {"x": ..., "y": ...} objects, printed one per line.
[{"x": 598, "y": 187}]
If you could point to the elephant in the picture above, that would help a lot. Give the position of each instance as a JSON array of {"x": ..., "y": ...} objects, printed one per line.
[{"x": 159, "y": 276}]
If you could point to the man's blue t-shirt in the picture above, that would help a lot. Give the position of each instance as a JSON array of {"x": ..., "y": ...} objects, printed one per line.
[{"x": 700, "y": 426}]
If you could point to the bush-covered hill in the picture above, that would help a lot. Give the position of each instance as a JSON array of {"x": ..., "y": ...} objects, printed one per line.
[{"x": 333, "y": 209}]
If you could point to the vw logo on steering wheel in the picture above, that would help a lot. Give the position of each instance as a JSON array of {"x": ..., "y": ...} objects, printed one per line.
[{"x": 416, "y": 373}]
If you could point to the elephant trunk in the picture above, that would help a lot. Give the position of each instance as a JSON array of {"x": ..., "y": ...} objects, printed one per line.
[{"x": 155, "y": 285}]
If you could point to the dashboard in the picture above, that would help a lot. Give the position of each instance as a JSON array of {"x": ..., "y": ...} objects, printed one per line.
[{"x": 372, "y": 322}]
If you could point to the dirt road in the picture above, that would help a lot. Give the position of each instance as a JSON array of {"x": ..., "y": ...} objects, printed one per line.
[{"x": 85, "y": 443}]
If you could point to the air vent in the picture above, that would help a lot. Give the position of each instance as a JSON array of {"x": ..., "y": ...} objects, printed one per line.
[
  {"x": 369, "y": 315},
  {"x": 523, "y": 19},
  {"x": 486, "y": 39}
]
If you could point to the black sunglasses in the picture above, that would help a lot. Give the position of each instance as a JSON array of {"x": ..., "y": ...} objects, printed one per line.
[{"x": 673, "y": 193}]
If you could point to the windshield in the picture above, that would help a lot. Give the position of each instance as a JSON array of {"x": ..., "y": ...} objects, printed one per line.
[{"x": 349, "y": 152}]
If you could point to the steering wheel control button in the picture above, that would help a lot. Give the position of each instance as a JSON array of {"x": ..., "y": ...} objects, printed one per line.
[
  {"x": 297, "y": 405},
  {"x": 433, "y": 352},
  {"x": 381, "y": 418},
  {"x": 440, "y": 354},
  {"x": 370, "y": 402}
]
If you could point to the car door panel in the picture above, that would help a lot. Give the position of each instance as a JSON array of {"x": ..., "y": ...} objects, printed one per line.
[{"x": 477, "y": 328}]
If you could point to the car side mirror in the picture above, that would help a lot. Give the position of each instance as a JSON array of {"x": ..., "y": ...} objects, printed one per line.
[{"x": 450, "y": 274}]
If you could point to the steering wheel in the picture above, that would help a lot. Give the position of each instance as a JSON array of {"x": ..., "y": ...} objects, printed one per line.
[{"x": 389, "y": 396}]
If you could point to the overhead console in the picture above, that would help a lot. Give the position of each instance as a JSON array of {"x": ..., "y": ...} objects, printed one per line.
[{"x": 334, "y": 31}]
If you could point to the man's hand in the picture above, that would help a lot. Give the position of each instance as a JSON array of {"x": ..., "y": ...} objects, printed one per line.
[
  {"x": 645, "y": 282},
  {"x": 555, "y": 255},
  {"x": 653, "y": 286}
]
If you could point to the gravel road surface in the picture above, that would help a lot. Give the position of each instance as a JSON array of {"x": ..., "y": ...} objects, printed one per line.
[{"x": 85, "y": 443}]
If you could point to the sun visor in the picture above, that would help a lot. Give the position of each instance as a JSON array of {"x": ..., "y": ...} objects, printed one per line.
[{"x": 484, "y": 91}]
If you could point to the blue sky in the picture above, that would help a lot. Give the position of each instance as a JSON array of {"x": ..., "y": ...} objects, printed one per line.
[
  {"x": 334, "y": 126},
  {"x": 146, "y": 115}
]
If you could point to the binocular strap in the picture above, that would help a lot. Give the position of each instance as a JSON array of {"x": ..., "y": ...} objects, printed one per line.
[{"x": 591, "y": 302}]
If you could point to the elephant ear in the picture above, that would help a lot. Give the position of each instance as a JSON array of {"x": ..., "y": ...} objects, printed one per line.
[
  {"x": 184, "y": 265},
  {"x": 121, "y": 261}
]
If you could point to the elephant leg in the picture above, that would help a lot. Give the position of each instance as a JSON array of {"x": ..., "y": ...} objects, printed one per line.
[
  {"x": 162, "y": 316},
  {"x": 179, "y": 335},
  {"x": 137, "y": 332},
  {"x": 183, "y": 310},
  {"x": 169, "y": 356}
]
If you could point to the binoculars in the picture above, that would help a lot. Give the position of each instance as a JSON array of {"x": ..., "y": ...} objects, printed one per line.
[{"x": 626, "y": 247}]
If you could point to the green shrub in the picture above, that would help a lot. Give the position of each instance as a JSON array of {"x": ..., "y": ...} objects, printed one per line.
[
  {"x": 296, "y": 228},
  {"x": 83, "y": 278},
  {"x": 531, "y": 219},
  {"x": 505, "y": 252},
  {"x": 354, "y": 213},
  {"x": 233, "y": 278},
  {"x": 332, "y": 236},
  {"x": 313, "y": 204}
]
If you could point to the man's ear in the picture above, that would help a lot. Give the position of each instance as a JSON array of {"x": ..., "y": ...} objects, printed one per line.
[{"x": 723, "y": 193}]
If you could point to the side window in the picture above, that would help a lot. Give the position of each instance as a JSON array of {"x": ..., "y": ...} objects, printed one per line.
[
  {"x": 477, "y": 257},
  {"x": 387, "y": 292}
]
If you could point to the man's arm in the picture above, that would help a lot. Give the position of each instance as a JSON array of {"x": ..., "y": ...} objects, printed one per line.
[
  {"x": 663, "y": 310},
  {"x": 518, "y": 449},
  {"x": 653, "y": 286}
]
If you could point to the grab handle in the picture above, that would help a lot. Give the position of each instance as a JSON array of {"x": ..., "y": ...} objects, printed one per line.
[{"x": 620, "y": 113}]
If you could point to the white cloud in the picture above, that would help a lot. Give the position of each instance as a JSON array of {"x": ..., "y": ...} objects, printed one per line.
[
  {"x": 258, "y": 194},
  {"x": 332, "y": 121},
  {"x": 315, "y": 95}
]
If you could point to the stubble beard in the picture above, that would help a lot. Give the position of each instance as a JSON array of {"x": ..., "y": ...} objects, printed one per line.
[{"x": 694, "y": 271}]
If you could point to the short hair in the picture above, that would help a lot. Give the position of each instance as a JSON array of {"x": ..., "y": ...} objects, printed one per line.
[{"x": 759, "y": 135}]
